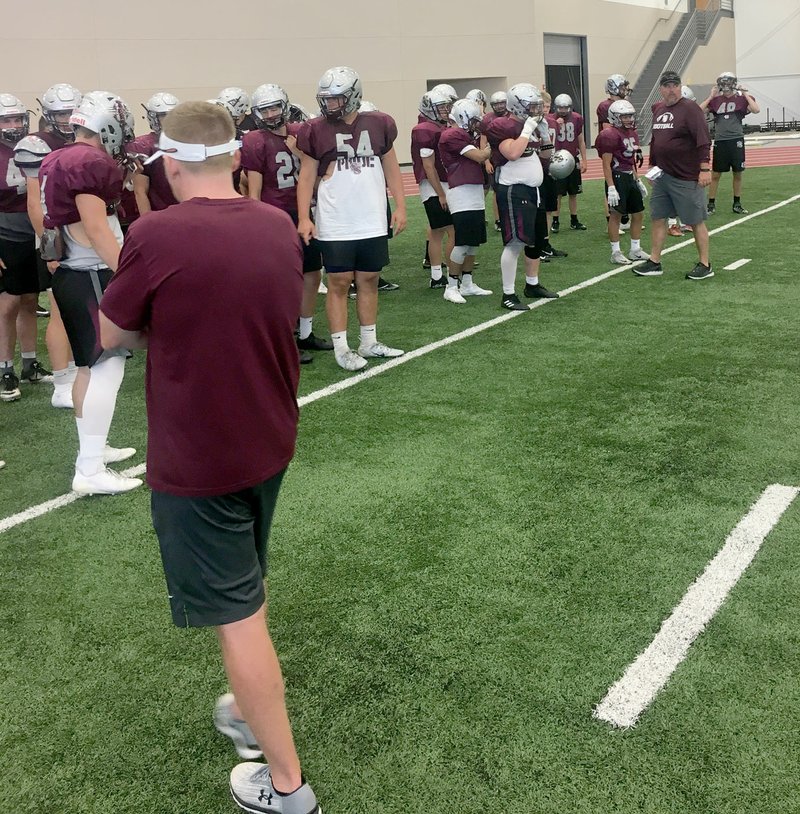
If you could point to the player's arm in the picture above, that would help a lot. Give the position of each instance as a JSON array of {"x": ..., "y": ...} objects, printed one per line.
[
  {"x": 141, "y": 190},
  {"x": 255, "y": 181},
  {"x": 431, "y": 173},
  {"x": 582, "y": 151},
  {"x": 305, "y": 192},
  {"x": 394, "y": 180},
  {"x": 95, "y": 224},
  {"x": 752, "y": 105},
  {"x": 34, "y": 204},
  {"x": 112, "y": 336},
  {"x": 607, "y": 172},
  {"x": 476, "y": 154}
]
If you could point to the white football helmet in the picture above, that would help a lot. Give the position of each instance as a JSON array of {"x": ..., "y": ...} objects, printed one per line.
[
  {"x": 61, "y": 98},
  {"x": 236, "y": 101},
  {"x": 727, "y": 81},
  {"x": 688, "y": 93},
  {"x": 297, "y": 113},
  {"x": 435, "y": 105},
  {"x": 562, "y": 104},
  {"x": 342, "y": 84},
  {"x": 448, "y": 90},
  {"x": 477, "y": 95},
  {"x": 524, "y": 100},
  {"x": 622, "y": 114},
  {"x": 107, "y": 115},
  {"x": 13, "y": 108},
  {"x": 367, "y": 107},
  {"x": 157, "y": 106},
  {"x": 29, "y": 153},
  {"x": 270, "y": 106},
  {"x": 499, "y": 102},
  {"x": 466, "y": 114},
  {"x": 618, "y": 85},
  {"x": 561, "y": 164}
]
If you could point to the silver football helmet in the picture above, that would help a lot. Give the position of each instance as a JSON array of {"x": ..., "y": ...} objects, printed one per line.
[
  {"x": 563, "y": 104},
  {"x": 466, "y": 114},
  {"x": 270, "y": 106},
  {"x": 61, "y": 98},
  {"x": 435, "y": 105},
  {"x": 297, "y": 113},
  {"x": 448, "y": 90},
  {"x": 339, "y": 92},
  {"x": 561, "y": 164},
  {"x": 236, "y": 101},
  {"x": 29, "y": 153},
  {"x": 107, "y": 115},
  {"x": 499, "y": 102},
  {"x": 477, "y": 95},
  {"x": 157, "y": 106},
  {"x": 524, "y": 100},
  {"x": 622, "y": 114},
  {"x": 618, "y": 85},
  {"x": 688, "y": 93},
  {"x": 11, "y": 109},
  {"x": 727, "y": 81}
]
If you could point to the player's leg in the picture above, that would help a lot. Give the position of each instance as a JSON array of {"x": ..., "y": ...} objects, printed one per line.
[
  {"x": 9, "y": 308},
  {"x": 312, "y": 277}
]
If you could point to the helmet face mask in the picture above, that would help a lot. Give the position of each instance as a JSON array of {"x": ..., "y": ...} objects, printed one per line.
[
  {"x": 270, "y": 107},
  {"x": 499, "y": 103},
  {"x": 524, "y": 101},
  {"x": 339, "y": 93},
  {"x": 727, "y": 82}
]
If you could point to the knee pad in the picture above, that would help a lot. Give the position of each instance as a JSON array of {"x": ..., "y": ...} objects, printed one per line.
[
  {"x": 533, "y": 252},
  {"x": 458, "y": 254},
  {"x": 472, "y": 251}
]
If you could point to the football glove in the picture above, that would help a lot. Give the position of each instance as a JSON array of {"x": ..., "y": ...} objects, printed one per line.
[{"x": 613, "y": 197}]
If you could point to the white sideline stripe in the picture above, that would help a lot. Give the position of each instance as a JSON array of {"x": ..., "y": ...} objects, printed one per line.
[
  {"x": 738, "y": 264},
  {"x": 64, "y": 500},
  {"x": 633, "y": 693}
]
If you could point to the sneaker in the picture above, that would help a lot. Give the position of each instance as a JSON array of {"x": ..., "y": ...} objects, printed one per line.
[
  {"x": 540, "y": 292},
  {"x": 554, "y": 226},
  {"x": 385, "y": 285},
  {"x": 36, "y": 372},
  {"x": 497, "y": 226},
  {"x": 638, "y": 255},
  {"x": 512, "y": 303},
  {"x": 323, "y": 289},
  {"x": 549, "y": 251},
  {"x": 451, "y": 294},
  {"x": 350, "y": 360},
  {"x": 62, "y": 399},
  {"x": 578, "y": 226},
  {"x": 675, "y": 231},
  {"x": 711, "y": 207},
  {"x": 377, "y": 350},
  {"x": 113, "y": 455},
  {"x": 440, "y": 283},
  {"x": 42, "y": 312},
  {"x": 104, "y": 482},
  {"x": 312, "y": 342},
  {"x": 252, "y": 790},
  {"x": 353, "y": 292},
  {"x": 700, "y": 272},
  {"x": 619, "y": 257},
  {"x": 306, "y": 358},
  {"x": 9, "y": 391},
  {"x": 235, "y": 728},
  {"x": 474, "y": 291},
  {"x": 648, "y": 269},
  {"x": 740, "y": 210}
]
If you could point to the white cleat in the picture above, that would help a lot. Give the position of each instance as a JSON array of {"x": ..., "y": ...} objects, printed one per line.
[
  {"x": 451, "y": 295},
  {"x": 350, "y": 360},
  {"x": 619, "y": 257},
  {"x": 378, "y": 350},
  {"x": 104, "y": 482},
  {"x": 113, "y": 455},
  {"x": 474, "y": 291},
  {"x": 62, "y": 399},
  {"x": 638, "y": 255},
  {"x": 323, "y": 289}
]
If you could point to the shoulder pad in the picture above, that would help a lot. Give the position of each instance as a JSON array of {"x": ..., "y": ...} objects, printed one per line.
[{"x": 30, "y": 151}]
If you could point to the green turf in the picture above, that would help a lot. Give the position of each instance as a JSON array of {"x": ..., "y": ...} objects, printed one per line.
[{"x": 468, "y": 551}]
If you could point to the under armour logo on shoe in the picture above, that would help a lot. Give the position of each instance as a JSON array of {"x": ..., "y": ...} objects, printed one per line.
[{"x": 265, "y": 797}]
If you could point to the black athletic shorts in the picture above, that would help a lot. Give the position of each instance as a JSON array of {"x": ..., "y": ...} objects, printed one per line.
[
  {"x": 214, "y": 552},
  {"x": 630, "y": 196},
  {"x": 21, "y": 274},
  {"x": 367, "y": 254},
  {"x": 728, "y": 155},
  {"x": 549, "y": 190},
  {"x": 438, "y": 218},
  {"x": 312, "y": 256},
  {"x": 470, "y": 227},
  {"x": 521, "y": 216},
  {"x": 572, "y": 184}
]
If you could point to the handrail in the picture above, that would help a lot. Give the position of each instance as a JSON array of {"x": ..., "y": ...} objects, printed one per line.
[{"x": 647, "y": 42}]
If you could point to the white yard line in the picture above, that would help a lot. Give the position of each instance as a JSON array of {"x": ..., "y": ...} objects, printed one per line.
[
  {"x": 64, "y": 500},
  {"x": 738, "y": 264},
  {"x": 635, "y": 691}
]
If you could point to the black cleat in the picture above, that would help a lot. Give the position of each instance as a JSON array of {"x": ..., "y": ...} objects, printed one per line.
[
  {"x": 440, "y": 283},
  {"x": 700, "y": 272},
  {"x": 312, "y": 342},
  {"x": 577, "y": 225},
  {"x": 35, "y": 372},
  {"x": 549, "y": 251},
  {"x": 711, "y": 207},
  {"x": 555, "y": 226},
  {"x": 305, "y": 357},
  {"x": 497, "y": 226},
  {"x": 512, "y": 303},
  {"x": 385, "y": 285},
  {"x": 539, "y": 292},
  {"x": 9, "y": 387},
  {"x": 740, "y": 210}
]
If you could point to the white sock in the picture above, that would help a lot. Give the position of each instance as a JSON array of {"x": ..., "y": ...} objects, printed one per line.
[
  {"x": 452, "y": 282},
  {"x": 369, "y": 335},
  {"x": 615, "y": 247},
  {"x": 532, "y": 280},
  {"x": 62, "y": 379},
  {"x": 436, "y": 272},
  {"x": 340, "y": 345},
  {"x": 508, "y": 268},
  {"x": 28, "y": 354},
  {"x": 671, "y": 222},
  {"x": 466, "y": 279},
  {"x": 98, "y": 411},
  {"x": 90, "y": 457},
  {"x": 305, "y": 327},
  {"x": 635, "y": 245},
  {"x": 72, "y": 366}
]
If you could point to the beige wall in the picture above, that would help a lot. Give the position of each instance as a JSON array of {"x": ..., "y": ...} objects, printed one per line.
[
  {"x": 709, "y": 61},
  {"x": 191, "y": 49}
]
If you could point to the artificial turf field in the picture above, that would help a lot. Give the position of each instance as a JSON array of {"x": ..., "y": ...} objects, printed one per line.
[{"x": 467, "y": 552}]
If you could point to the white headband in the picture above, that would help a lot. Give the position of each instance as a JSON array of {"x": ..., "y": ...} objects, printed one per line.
[{"x": 181, "y": 151}]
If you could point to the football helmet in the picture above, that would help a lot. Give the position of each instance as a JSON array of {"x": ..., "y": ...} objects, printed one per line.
[
  {"x": 618, "y": 85},
  {"x": 107, "y": 115},
  {"x": 342, "y": 84},
  {"x": 449, "y": 90},
  {"x": 477, "y": 95},
  {"x": 563, "y": 104},
  {"x": 524, "y": 100},
  {"x": 688, "y": 93},
  {"x": 236, "y": 101},
  {"x": 499, "y": 103},
  {"x": 367, "y": 107},
  {"x": 270, "y": 107},
  {"x": 29, "y": 152},
  {"x": 561, "y": 164},
  {"x": 298, "y": 114},
  {"x": 727, "y": 81},
  {"x": 156, "y": 107},
  {"x": 13, "y": 108},
  {"x": 61, "y": 98},
  {"x": 622, "y": 114},
  {"x": 435, "y": 105},
  {"x": 466, "y": 114}
]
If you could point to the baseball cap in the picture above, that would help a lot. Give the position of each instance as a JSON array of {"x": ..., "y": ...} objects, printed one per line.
[{"x": 670, "y": 78}]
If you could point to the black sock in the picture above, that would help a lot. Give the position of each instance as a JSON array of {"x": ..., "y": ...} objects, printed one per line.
[
  {"x": 711, "y": 200},
  {"x": 736, "y": 199},
  {"x": 573, "y": 218}
]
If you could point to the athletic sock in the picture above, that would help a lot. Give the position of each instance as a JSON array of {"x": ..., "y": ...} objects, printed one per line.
[
  {"x": 369, "y": 335},
  {"x": 90, "y": 456},
  {"x": 436, "y": 272},
  {"x": 452, "y": 282},
  {"x": 508, "y": 269},
  {"x": 712, "y": 200},
  {"x": 615, "y": 247},
  {"x": 736, "y": 200},
  {"x": 466, "y": 279},
  {"x": 532, "y": 280},
  {"x": 305, "y": 327},
  {"x": 7, "y": 366},
  {"x": 573, "y": 218},
  {"x": 339, "y": 340},
  {"x": 635, "y": 245},
  {"x": 28, "y": 358}
]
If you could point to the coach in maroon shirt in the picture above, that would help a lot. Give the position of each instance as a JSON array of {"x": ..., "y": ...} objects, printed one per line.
[{"x": 216, "y": 455}]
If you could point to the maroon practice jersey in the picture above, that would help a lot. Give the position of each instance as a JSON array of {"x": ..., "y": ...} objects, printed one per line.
[
  {"x": 13, "y": 186},
  {"x": 488, "y": 119},
  {"x": 602, "y": 112},
  {"x": 460, "y": 169},
  {"x": 52, "y": 139},
  {"x": 567, "y": 134},
  {"x": 623, "y": 144},
  {"x": 73, "y": 170},
  {"x": 265, "y": 152},
  {"x": 159, "y": 193},
  {"x": 426, "y": 135},
  {"x": 501, "y": 129},
  {"x": 729, "y": 112}
]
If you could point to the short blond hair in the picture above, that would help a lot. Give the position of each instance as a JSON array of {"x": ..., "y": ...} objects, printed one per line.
[
  {"x": 201, "y": 123},
  {"x": 546, "y": 97}
]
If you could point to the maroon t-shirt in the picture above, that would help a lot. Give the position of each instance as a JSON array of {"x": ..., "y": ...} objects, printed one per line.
[
  {"x": 73, "y": 170},
  {"x": 566, "y": 135},
  {"x": 679, "y": 142},
  {"x": 622, "y": 143},
  {"x": 159, "y": 193},
  {"x": 488, "y": 119},
  {"x": 502, "y": 128},
  {"x": 214, "y": 280},
  {"x": 371, "y": 133},
  {"x": 460, "y": 169},
  {"x": 602, "y": 112},
  {"x": 266, "y": 152},
  {"x": 426, "y": 135},
  {"x": 13, "y": 186}
]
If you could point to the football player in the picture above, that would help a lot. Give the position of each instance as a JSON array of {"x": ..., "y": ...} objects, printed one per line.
[
  {"x": 617, "y": 88},
  {"x": 431, "y": 176},
  {"x": 618, "y": 146},
  {"x": 20, "y": 280},
  {"x": 478, "y": 96},
  {"x": 549, "y": 191},
  {"x": 463, "y": 160},
  {"x": 81, "y": 185},
  {"x": 517, "y": 141},
  {"x": 272, "y": 162},
  {"x": 237, "y": 102},
  {"x": 498, "y": 102},
  {"x": 57, "y": 104},
  {"x": 729, "y": 102},
  {"x": 152, "y": 190},
  {"x": 566, "y": 130},
  {"x": 351, "y": 156}
]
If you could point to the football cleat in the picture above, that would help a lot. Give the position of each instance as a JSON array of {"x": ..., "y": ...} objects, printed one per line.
[
  {"x": 305, "y": 357},
  {"x": 711, "y": 207},
  {"x": 578, "y": 226},
  {"x": 554, "y": 226},
  {"x": 440, "y": 283},
  {"x": 350, "y": 360},
  {"x": 512, "y": 303},
  {"x": 549, "y": 251},
  {"x": 35, "y": 372},
  {"x": 9, "y": 389},
  {"x": 619, "y": 257},
  {"x": 539, "y": 292},
  {"x": 236, "y": 729},
  {"x": 700, "y": 272},
  {"x": 451, "y": 294},
  {"x": 675, "y": 231},
  {"x": 104, "y": 482},
  {"x": 377, "y": 350},
  {"x": 385, "y": 285},
  {"x": 474, "y": 291},
  {"x": 740, "y": 210},
  {"x": 113, "y": 455}
]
